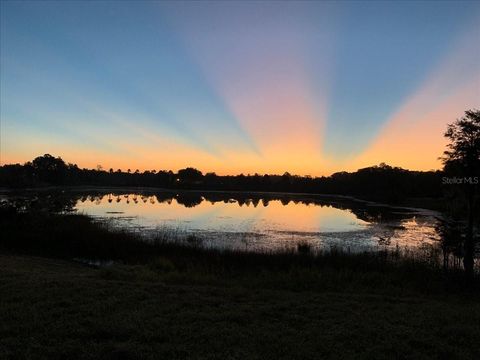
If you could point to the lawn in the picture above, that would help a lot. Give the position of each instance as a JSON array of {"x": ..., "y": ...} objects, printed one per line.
[{"x": 57, "y": 309}]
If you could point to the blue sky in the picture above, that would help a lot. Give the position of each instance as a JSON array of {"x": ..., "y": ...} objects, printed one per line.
[{"x": 231, "y": 87}]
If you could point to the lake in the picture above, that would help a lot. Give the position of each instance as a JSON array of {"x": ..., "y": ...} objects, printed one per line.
[
  {"x": 252, "y": 221},
  {"x": 258, "y": 221}
]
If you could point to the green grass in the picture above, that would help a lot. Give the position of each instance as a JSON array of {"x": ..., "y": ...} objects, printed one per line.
[{"x": 175, "y": 301}]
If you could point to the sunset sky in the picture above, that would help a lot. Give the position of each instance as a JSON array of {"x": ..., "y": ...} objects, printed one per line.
[{"x": 267, "y": 87}]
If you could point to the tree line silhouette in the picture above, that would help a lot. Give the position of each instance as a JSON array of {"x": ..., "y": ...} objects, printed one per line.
[{"x": 382, "y": 182}]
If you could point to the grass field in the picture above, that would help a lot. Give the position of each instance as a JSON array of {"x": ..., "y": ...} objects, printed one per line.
[{"x": 55, "y": 309}]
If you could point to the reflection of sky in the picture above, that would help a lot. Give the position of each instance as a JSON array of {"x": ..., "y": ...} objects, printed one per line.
[
  {"x": 229, "y": 216},
  {"x": 305, "y": 87}
]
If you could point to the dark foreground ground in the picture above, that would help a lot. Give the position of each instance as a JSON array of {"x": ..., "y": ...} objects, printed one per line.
[
  {"x": 160, "y": 301},
  {"x": 55, "y": 309}
]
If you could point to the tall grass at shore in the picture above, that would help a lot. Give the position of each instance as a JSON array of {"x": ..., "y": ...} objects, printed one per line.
[{"x": 179, "y": 255}]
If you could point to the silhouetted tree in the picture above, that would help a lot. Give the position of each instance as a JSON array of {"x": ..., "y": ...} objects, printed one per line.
[
  {"x": 49, "y": 169},
  {"x": 462, "y": 158},
  {"x": 189, "y": 175}
]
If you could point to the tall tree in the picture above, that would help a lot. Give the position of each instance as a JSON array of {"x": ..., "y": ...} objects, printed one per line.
[
  {"x": 462, "y": 157},
  {"x": 49, "y": 169}
]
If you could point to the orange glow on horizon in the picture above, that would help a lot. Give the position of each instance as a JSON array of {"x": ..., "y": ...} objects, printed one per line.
[{"x": 417, "y": 142}]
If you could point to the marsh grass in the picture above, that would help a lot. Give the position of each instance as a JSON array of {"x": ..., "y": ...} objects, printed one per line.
[
  {"x": 181, "y": 256},
  {"x": 304, "y": 248}
]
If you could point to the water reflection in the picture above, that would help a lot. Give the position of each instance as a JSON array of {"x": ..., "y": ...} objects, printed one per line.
[
  {"x": 267, "y": 221},
  {"x": 254, "y": 220}
]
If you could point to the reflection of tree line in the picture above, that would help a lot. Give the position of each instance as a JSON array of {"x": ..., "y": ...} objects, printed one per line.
[
  {"x": 58, "y": 201},
  {"x": 190, "y": 200},
  {"x": 371, "y": 214}
]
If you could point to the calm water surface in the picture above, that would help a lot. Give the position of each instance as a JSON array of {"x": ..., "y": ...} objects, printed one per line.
[{"x": 265, "y": 221}]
